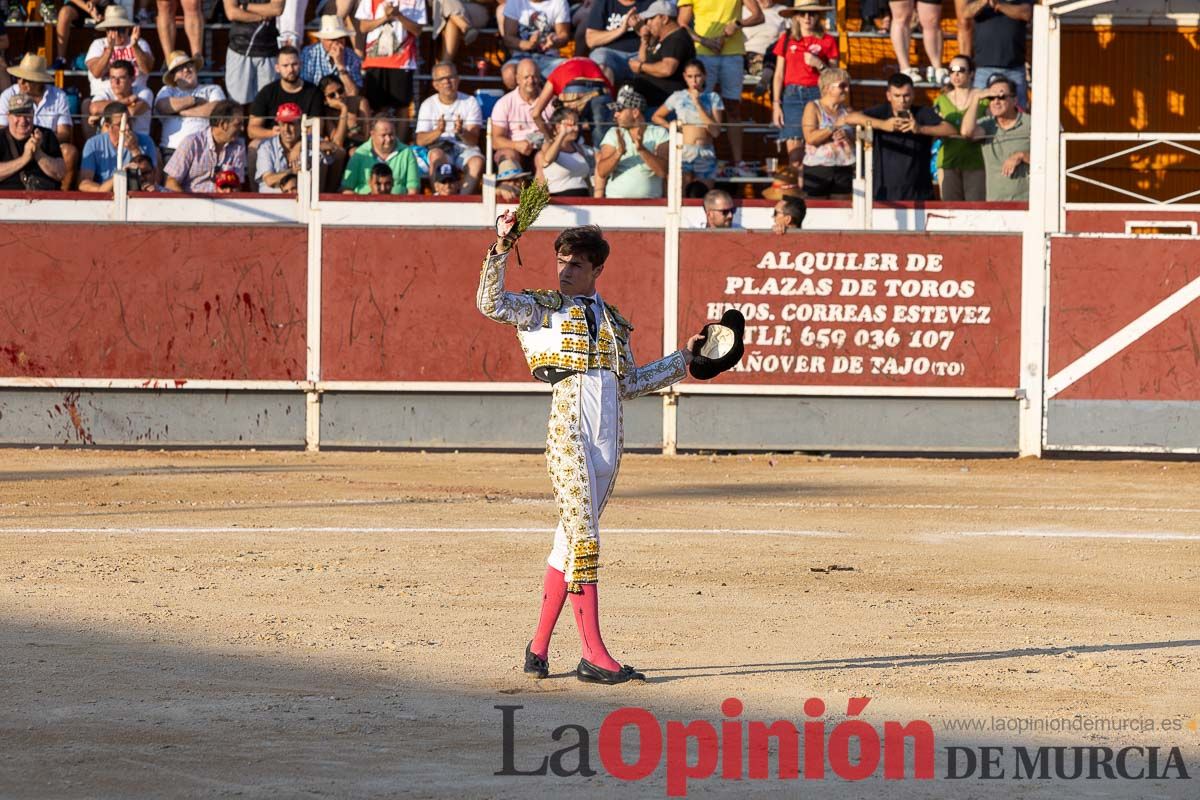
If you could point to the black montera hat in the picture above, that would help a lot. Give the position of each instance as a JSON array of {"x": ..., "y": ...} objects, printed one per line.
[{"x": 722, "y": 346}]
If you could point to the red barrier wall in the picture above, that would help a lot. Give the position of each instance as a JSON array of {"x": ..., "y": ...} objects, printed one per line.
[
  {"x": 152, "y": 301},
  {"x": 399, "y": 305},
  {"x": 1099, "y": 286},
  {"x": 871, "y": 321},
  {"x": 1114, "y": 221}
]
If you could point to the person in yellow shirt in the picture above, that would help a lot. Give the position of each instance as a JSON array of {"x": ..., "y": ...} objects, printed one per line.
[{"x": 716, "y": 27}]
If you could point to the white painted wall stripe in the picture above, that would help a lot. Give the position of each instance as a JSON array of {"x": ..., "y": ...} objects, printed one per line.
[{"x": 1114, "y": 344}]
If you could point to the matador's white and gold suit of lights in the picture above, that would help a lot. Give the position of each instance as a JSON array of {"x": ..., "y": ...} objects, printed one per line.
[{"x": 591, "y": 377}]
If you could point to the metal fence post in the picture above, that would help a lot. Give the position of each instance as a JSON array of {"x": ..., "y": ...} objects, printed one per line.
[
  {"x": 310, "y": 211},
  {"x": 671, "y": 278}
]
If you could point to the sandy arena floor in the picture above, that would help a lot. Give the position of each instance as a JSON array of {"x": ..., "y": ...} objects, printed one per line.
[{"x": 343, "y": 625}]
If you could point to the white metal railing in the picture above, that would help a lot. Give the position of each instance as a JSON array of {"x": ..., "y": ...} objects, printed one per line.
[{"x": 1142, "y": 141}]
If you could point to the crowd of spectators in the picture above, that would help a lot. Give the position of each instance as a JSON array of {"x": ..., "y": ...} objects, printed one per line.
[{"x": 592, "y": 124}]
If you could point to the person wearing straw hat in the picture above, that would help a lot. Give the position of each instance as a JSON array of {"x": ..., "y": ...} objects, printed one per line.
[
  {"x": 183, "y": 104},
  {"x": 51, "y": 109},
  {"x": 801, "y": 55},
  {"x": 511, "y": 178},
  {"x": 332, "y": 54},
  {"x": 120, "y": 40},
  {"x": 30, "y": 157}
]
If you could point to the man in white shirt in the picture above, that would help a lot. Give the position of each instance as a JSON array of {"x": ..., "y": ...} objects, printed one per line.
[
  {"x": 183, "y": 105},
  {"x": 120, "y": 40},
  {"x": 449, "y": 124},
  {"x": 120, "y": 88}
]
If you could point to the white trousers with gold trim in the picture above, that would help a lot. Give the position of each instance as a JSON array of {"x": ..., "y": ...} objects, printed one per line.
[{"x": 583, "y": 453}]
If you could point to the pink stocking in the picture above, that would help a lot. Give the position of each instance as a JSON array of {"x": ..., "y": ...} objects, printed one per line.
[
  {"x": 586, "y": 607},
  {"x": 554, "y": 593}
]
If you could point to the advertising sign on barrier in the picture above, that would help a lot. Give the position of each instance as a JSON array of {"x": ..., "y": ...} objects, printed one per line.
[{"x": 860, "y": 309}]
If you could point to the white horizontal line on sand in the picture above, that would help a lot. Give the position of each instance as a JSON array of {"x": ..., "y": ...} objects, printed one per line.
[
  {"x": 1130, "y": 535},
  {"x": 341, "y": 529},
  {"x": 970, "y": 507}
]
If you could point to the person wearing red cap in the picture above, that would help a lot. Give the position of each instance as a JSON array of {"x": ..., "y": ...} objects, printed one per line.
[{"x": 280, "y": 156}]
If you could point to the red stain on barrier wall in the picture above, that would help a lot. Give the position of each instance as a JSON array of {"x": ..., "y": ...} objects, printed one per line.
[
  {"x": 124, "y": 301},
  {"x": 1100, "y": 286},
  {"x": 860, "y": 309},
  {"x": 399, "y": 305}
]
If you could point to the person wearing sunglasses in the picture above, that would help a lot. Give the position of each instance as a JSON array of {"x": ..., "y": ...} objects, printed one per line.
[
  {"x": 718, "y": 209},
  {"x": 800, "y": 56},
  {"x": 1001, "y": 28},
  {"x": 346, "y": 119},
  {"x": 959, "y": 160},
  {"x": 788, "y": 214},
  {"x": 1005, "y": 137}
]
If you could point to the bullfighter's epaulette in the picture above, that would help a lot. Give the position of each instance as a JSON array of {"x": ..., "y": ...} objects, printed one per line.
[
  {"x": 547, "y": 298},
  {"x": 618, "y": 317}
]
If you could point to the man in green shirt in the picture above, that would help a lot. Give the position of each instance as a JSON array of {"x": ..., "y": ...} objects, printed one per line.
[
  {"x": 633, "y": 155},
  {"x": 383, "y": 148},
  {"x": 1004, "y": 135}
]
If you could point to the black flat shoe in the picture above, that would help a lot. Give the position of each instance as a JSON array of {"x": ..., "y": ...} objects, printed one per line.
[
  {"x": 590, "y": 673},
  {"x": 535, "y": 666}
]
